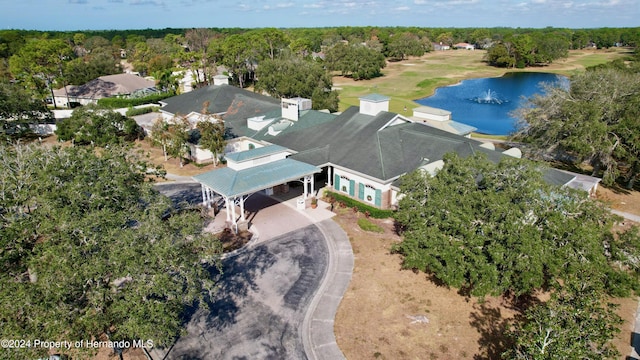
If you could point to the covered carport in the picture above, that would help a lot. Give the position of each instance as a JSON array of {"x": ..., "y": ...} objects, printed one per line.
[{"x": 235, "y": 186}]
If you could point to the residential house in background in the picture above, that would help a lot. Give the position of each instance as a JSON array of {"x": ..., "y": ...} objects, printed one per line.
[
  {"x": 103, "y": 87},
  {"x": 440, "y": 46},
  {"x": 464, "y": 46}
]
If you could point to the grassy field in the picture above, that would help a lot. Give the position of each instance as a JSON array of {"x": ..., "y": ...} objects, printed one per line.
[{"x": 418, "y": 77}]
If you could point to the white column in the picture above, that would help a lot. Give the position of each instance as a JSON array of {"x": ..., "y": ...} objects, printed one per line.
[
  {"x": 313, "y": 189},
  {"x": 204, "y": 195},
  {"x": 226, "y": 206},
  {"x": 305, "y": 186},
  {"x": 233, "y": 211},
  {"x": 329, "y": 177},
  {"x": 208, "y": 191},
  {"x": 242, "y": 208}
]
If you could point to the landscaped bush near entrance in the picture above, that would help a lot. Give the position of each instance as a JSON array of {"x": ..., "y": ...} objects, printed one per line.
[
  {"x": 364, "y": 208},
  {"x": 366, "y": 225}
]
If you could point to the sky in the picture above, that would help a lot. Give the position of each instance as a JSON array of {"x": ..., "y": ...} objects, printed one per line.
[{"x": 70, "y": 15}]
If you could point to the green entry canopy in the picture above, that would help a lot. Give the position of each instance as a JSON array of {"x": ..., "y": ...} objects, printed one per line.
[{"x": 233, "y": 183}]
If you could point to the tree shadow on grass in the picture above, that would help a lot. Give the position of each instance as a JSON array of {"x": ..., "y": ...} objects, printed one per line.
[{"x": 492, "y": 328}]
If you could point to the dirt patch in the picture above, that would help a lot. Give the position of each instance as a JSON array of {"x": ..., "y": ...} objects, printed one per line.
[
  {"x": 232, "y": 241},
  {"x": 391, "y": 313},
  {"x": 171, "y": 165},
  {"x": 620, "y": 199}
]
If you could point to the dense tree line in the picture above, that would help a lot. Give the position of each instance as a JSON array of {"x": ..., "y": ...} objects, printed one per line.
[
  {"x": 359, "y": 62},
  {"x": 528, "y": 50},
  {"x": 291, "y": 76},
  {"x": 153, "y": 50}
]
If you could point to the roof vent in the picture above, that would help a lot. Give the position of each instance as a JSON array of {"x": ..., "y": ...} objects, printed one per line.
[
  {"x": 221, "y": 80},
  {"x": 291, "y": 107},
  {"x": 258, "y": 122},
  {"x": 372, "y": 104}
]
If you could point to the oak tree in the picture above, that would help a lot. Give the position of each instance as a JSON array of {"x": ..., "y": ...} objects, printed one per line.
[
  {"x": 212, "y": 136},
  {"x": 18, "y": 110},
  {"x": 89, "y": 249},
  {"x": 488, "y": 228},
  {"x": 291, "y": 76},
  {"x": 594, "y": 120}
]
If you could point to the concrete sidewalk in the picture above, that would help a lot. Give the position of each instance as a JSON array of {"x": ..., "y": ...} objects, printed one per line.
[
  {"x": 318, "y": 335},
  {"x": 627, "y": 216}
]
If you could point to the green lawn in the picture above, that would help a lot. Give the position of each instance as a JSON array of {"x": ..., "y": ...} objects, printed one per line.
[{"x": 415, "y": 78}]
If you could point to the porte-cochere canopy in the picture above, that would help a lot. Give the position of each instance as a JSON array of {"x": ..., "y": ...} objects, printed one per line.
[
  {"x": 251, "y": 171},
  {"x": 234, "y": 183}
]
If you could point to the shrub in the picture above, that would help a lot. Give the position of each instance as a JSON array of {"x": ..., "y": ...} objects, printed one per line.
[
  {"x": 116, "y": 102},
  {"x": 139, "y": 111},
  {"x": 364, "y": 208},
  {"x": 366, "y": 225}
]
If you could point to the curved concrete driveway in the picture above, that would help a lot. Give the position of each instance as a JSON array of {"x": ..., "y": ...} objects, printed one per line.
[{"x": 278, "y": 297}]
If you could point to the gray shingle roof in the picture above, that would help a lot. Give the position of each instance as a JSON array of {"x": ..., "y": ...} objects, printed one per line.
[
  {"x": 356, "y": 141},
  {"x": 243, "y": 107},
  {"x": 107, "y": 86},
  {"x": 220, "y": 98}
]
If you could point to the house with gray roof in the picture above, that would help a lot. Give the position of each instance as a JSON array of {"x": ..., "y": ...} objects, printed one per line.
[
  {"x": 361, "y": 152},
  {"x": 102, "y": 87},
  {"x": 216, "y": 100},
  {"x": 366, "y": 149}
]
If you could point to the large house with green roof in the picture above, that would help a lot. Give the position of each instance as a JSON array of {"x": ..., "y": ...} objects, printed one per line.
[{"x": 361, "y": 152}]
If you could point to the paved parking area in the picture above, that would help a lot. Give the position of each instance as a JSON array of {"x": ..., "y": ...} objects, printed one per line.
[{"x": 261, "y": 303}]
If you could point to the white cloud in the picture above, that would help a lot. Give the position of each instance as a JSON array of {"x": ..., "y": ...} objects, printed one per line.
[
  {"x": 318, "y": 5},
  {"x": 147, "y": 3}
]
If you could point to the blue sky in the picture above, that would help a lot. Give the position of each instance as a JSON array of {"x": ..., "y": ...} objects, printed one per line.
[{"x": 139, "y": 14}]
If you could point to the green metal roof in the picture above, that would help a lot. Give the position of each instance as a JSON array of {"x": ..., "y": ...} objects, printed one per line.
[
  {"x": 375, "y": 97},
  {"x": 232, "y": 183},
  {"x": 241, "y": 156}
]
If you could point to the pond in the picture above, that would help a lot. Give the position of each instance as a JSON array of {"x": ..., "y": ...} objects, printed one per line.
[{"x": 486, "y": 103}]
